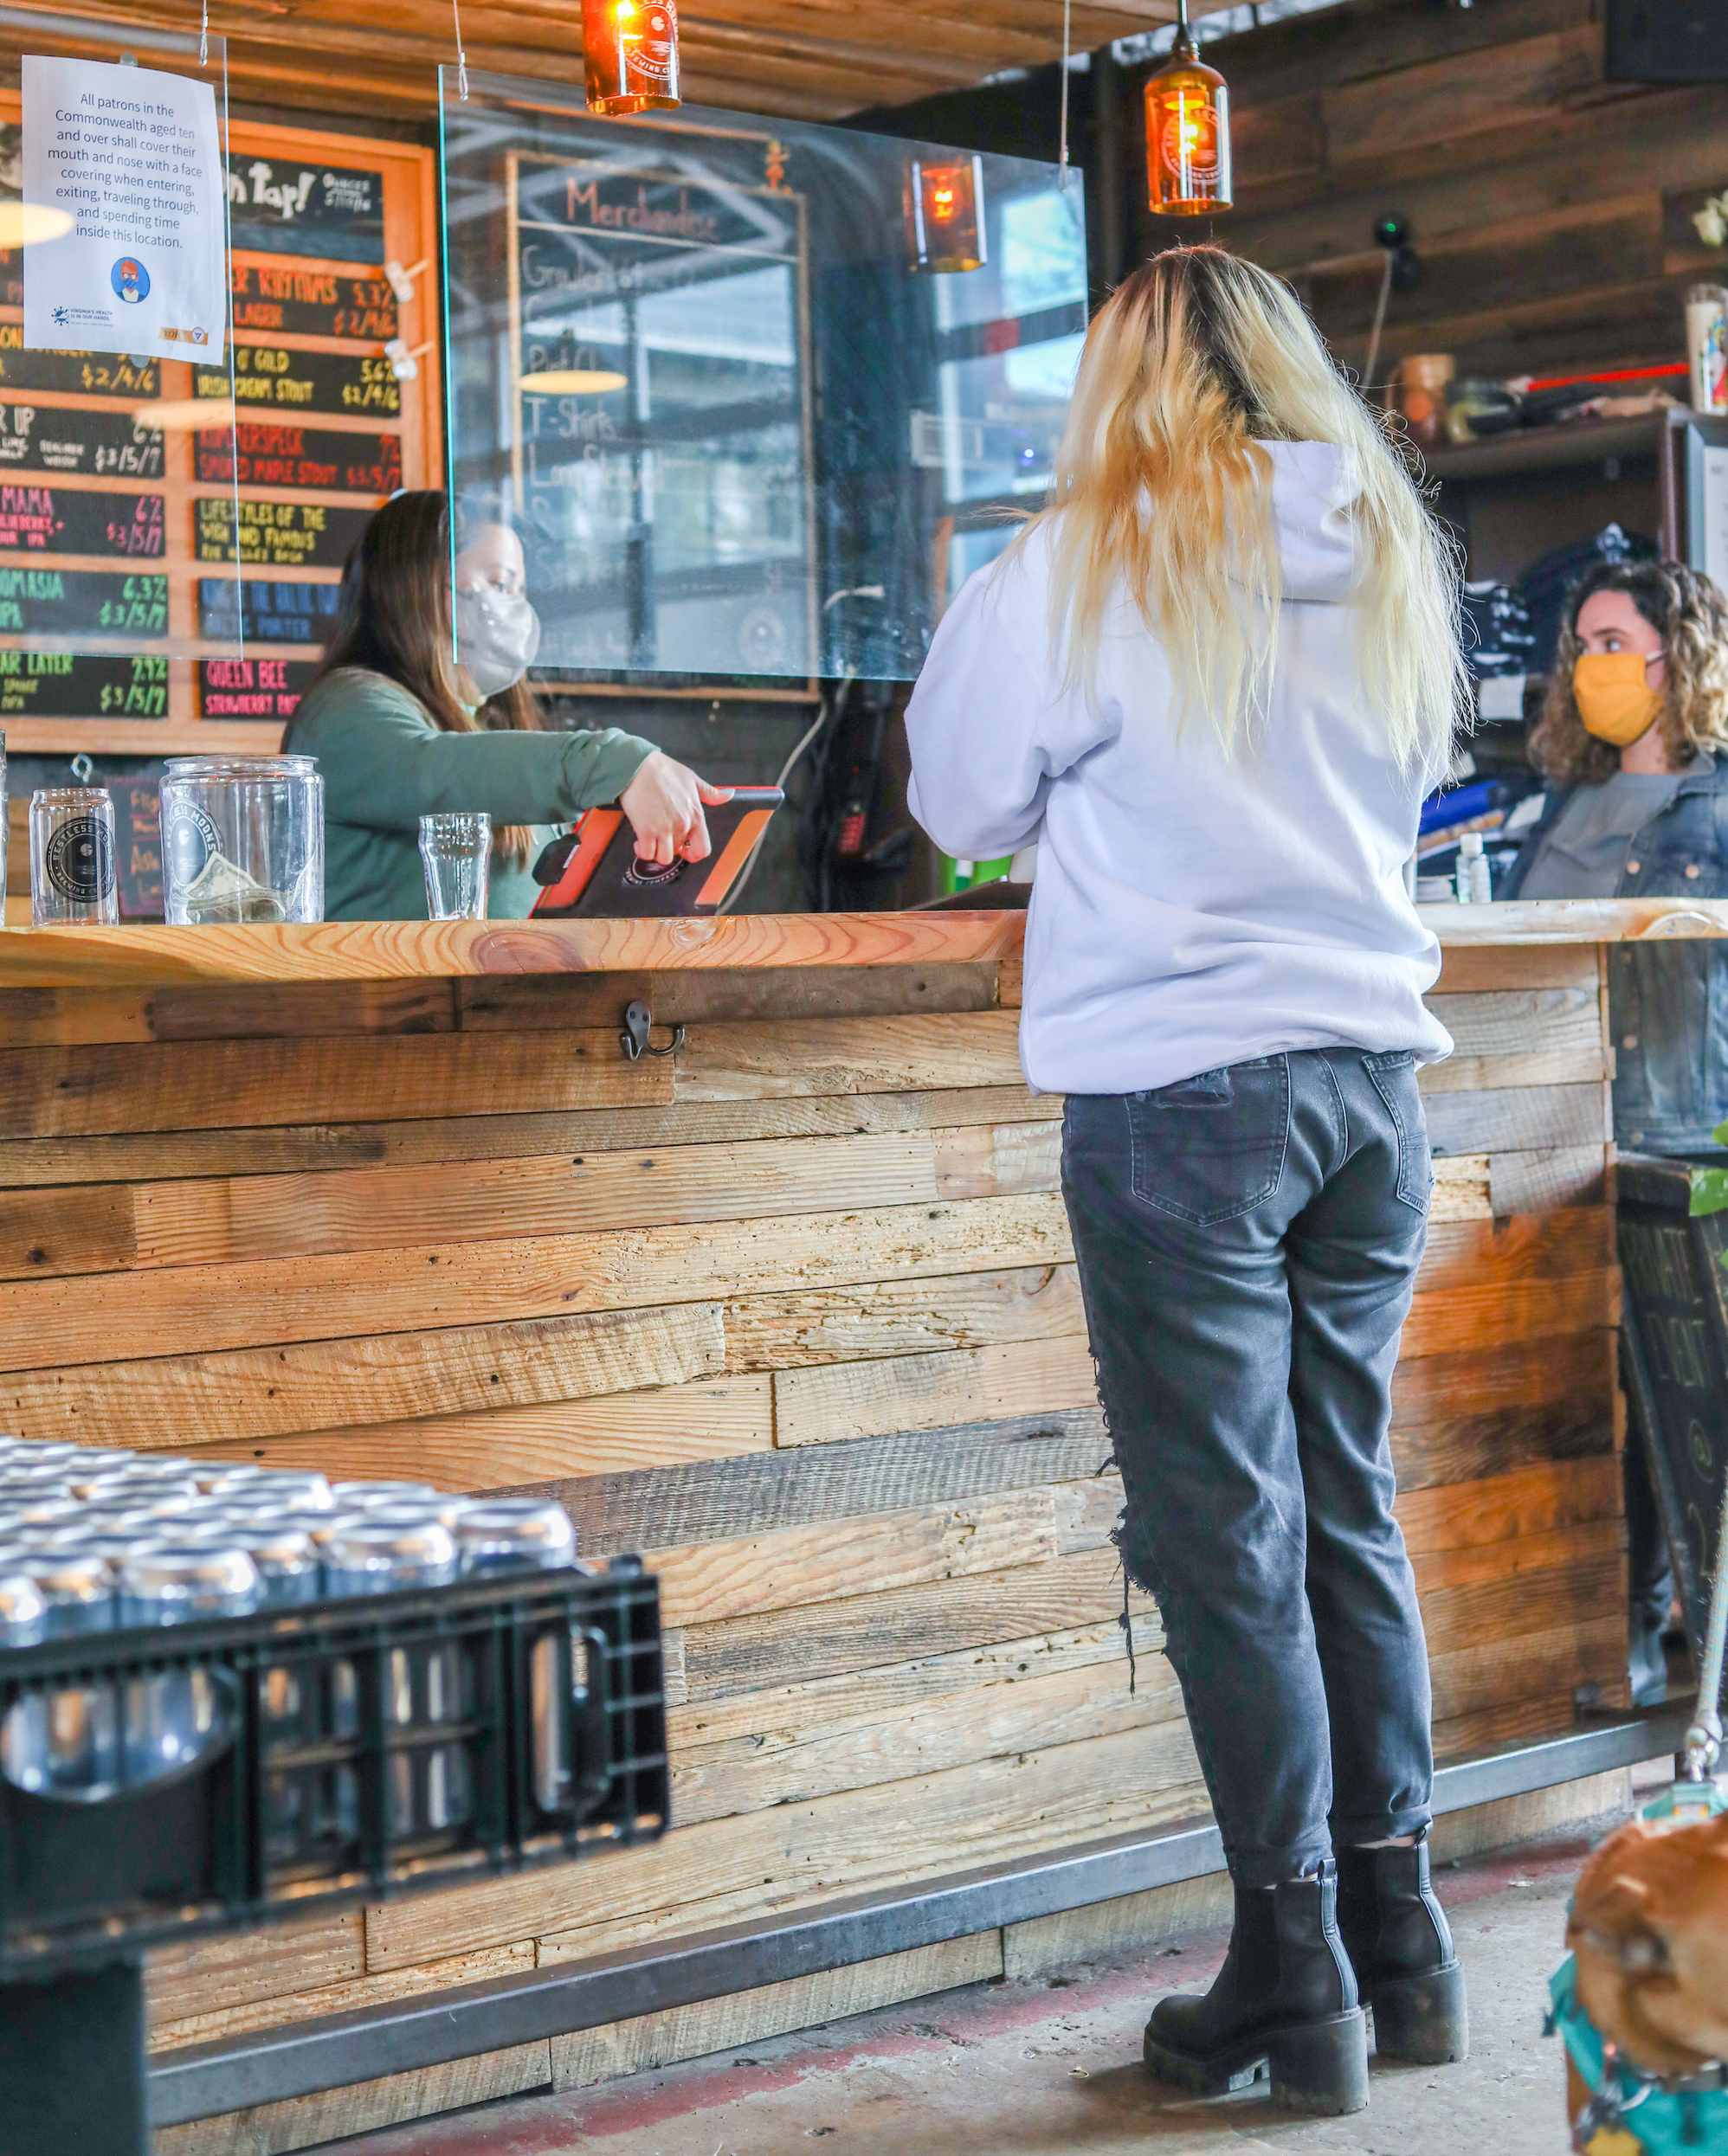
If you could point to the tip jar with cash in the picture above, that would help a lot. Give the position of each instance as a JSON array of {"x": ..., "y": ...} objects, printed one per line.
[{"x": 242, "y": 839}]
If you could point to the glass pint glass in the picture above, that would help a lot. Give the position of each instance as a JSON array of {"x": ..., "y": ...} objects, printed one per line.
[{"x": 71, "y": 857}]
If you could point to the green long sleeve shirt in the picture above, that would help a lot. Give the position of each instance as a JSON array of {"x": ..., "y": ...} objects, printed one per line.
[{"x": 386, "y": 765}]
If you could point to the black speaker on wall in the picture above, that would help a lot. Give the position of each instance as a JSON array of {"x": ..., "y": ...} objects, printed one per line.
[{"x": 1667, "y": 41}]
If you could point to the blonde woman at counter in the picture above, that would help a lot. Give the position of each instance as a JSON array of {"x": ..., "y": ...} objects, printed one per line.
[
  {"x": 1214, "y": 679},
  {"x": 400, "y": 731}
]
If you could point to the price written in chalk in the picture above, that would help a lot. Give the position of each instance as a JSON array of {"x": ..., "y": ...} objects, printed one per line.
[
  {"x": 81, "y": 603},
  {"x": 294, "y": 298},
  {"x": 263, "y": 453},
  {"x": 98, "y": 374},
  {"x": 376, "y": 391},
  {"x": 51, "y": 438},
  {"x": 57, "y": 520},
  {"x": 140, "y": 604},
  {"x": 272, "y": 377},
  {"x": 71, "y": 684}
]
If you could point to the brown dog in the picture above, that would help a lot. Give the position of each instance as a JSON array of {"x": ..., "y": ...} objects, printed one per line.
[{"x": 1649, "y": 1931}]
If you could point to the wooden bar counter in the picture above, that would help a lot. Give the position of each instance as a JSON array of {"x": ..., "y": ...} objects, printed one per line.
[{"x": 793, "y": 1311}]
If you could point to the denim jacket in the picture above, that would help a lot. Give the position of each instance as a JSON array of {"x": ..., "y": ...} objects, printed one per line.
[{"x": 1668, "y": 1002}]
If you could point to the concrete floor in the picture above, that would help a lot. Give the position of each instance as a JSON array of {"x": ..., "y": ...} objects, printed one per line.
[{"x": 1052, "y": 2063}]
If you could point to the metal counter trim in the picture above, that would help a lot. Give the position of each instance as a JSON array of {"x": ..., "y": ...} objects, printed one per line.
[{"x": 303, "y": 2058}]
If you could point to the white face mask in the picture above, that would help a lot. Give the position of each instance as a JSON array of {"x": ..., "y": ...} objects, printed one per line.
[{"x": 498, "y": 634}]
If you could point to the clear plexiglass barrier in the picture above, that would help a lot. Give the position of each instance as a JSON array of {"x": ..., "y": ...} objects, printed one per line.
[{"x": 756, "y": 396}]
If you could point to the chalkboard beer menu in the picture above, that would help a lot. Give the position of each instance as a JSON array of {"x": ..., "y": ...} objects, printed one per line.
[{"x": 171, "y": 540}]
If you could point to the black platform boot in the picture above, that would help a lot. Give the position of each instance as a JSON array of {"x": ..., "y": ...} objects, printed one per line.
[
  {"x": 1284, "y": 2004},
  {"x": 1400, "y": 1945}
]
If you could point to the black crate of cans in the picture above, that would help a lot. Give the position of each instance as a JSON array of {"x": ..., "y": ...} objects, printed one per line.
[{"x": 227, "y": 1696}]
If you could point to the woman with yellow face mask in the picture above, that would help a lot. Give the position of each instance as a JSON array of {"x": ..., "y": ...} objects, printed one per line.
[{"x": 1634, "y": 741}]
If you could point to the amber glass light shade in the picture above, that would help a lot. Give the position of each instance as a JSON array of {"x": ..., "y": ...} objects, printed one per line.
[
  {"x": 1188, "y": 136},
  {"x": 630, "y": 48},
  {"x": 944, "y": 210}
]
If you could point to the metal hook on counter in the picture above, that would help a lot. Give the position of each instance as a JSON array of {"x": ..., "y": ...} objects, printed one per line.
[{"x": 634, "y": 1039}]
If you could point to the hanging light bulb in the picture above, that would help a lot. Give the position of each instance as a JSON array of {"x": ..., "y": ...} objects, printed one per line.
[
  {"x": 1188, "y": 132},
  {"x": 630, "y": 50},
  {"x": 944, "y": 214}
]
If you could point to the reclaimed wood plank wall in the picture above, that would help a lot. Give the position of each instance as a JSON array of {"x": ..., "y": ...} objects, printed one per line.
[
  {"x": 793, "y": 1312},
  {"x": 1551, "y": 209}
]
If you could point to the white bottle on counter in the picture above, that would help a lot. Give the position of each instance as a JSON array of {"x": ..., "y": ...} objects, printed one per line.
[{"x": 1474, "y": 884}]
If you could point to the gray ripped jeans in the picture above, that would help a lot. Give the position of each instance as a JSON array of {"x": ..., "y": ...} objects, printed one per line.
[{"x": 1248, "y": 1241}]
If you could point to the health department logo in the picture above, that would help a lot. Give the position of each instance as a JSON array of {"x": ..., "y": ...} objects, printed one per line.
[{"x": 130, "y": 280}]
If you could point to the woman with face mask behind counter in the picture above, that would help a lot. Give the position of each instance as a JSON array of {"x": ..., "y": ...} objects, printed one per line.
[
  {"x": 1634, "y": 739},
  {"x": 400, "y": 732}
]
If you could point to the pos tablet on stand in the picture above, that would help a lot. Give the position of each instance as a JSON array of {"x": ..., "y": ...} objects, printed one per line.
[{"x": 594, "y": 873}]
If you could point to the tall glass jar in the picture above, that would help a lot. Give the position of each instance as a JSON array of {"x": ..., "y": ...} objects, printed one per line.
[{"x": 242, "y": 839}]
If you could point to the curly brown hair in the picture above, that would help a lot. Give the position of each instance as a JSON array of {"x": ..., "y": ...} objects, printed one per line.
[{"x": 1690, "y": 616}]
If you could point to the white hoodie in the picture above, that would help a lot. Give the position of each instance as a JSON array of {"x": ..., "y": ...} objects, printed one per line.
[{"x": 1189, "y": 911}]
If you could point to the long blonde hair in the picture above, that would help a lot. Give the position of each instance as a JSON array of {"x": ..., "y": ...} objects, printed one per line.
[{"x": 1162, "y": 487}]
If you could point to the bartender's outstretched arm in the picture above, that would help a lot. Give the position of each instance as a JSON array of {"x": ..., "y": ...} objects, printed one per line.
[{"x": 664, "y": 802}]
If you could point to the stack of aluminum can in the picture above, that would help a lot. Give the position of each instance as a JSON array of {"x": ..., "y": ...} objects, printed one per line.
[{"x": 93, "y": 1539}]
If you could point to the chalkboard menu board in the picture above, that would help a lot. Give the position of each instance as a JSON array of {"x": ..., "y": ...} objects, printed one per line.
[
  {"x": 273, "y": 613},
  {"x": 254, "y": 688},
  {"x": 67, "y": 685},
  {"x": 76, "y": 374},
  {"x": 278, "y": 377},
  {"x": 275, "y": 534},
  {"x": 138, "y": 842},
  {"x": 258, "y": 453},
  {"x": 284, "y": 296},
  {"x": 89, "y": 444},
  {"x": 50, "y": 519},
  {"x": 172, "y": 537},
  {"x": 81, "y": 603},
  {"x": 299, "y": 205},
  {"x": 698, "y": 363},
  {"x": 1675, "y": 1338}
]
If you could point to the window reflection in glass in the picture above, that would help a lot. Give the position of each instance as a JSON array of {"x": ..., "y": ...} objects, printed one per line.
[{"x": 737, "y": 434}]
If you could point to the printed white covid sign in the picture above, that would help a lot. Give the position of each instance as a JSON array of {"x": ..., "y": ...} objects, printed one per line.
[{"x": 124, "y": 211}]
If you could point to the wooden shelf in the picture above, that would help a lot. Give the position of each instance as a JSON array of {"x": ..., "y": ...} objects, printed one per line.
[{"x": 1550, "y": 448}]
